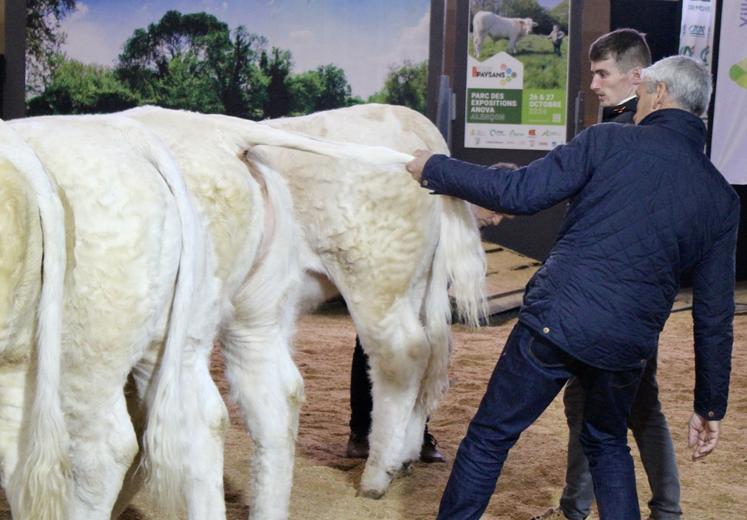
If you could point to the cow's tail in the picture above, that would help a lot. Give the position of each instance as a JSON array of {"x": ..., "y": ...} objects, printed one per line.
[
  {"x": 165, "y": 440},
  {"x": 276, "y": 276},
  {"x": 465, "y": 260},
  {"x": 40, "y": 486},
  {"x": 460, "y": 246},
  {"x": 459, "y": 264},
  {"x": 258, "y": 134}
]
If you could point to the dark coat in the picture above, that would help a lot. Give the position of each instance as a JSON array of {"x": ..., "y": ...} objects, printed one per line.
[{"x": 646, "y": 206}]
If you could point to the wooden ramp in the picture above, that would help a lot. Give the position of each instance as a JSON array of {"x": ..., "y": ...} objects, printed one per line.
[{"x": 508, "y": 273}]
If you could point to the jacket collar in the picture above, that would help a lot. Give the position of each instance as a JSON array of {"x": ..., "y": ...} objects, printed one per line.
[
  {"x": 680, "y": 121},
  {"x": 629, "y": 105}
]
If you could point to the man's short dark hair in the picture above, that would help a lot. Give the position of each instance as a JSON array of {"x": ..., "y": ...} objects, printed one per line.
[{"x": 627, "y": 47}]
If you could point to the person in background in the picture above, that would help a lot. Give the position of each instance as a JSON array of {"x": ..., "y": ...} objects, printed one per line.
[
  {"x": 556, "y": 37},
  {"x": 646, "y": 205},
  {"x": 616, "y": 60}
]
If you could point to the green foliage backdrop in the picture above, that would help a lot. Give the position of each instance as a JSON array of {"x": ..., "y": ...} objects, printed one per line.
[{"x": 195, "y": 62}]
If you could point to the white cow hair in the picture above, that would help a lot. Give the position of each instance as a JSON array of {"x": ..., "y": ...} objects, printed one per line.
[
  {"x": 456, "y": 254},
  {"x": 166, "y": 425},
  {"x": 41, "y": 489},
  {"x": 326, "y": 194},
  {"x": 185, "y": 312},
  {"x": 246, "y": 206}
]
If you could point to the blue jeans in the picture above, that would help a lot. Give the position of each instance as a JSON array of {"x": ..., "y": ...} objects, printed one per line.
[
  {"x": 529, "y": 374},
  {"x": 651, "y": 432}
]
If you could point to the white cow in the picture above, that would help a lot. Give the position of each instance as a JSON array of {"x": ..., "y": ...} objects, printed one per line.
[
  {"x": 260, "y": 293},
  {"x": 390, "y": 249},
  {"x": 137, "y": 277},
  {"x": 485, "y": 23},
  {"x": 142, "y": 272},
  {"x": 368, "y": 232}
]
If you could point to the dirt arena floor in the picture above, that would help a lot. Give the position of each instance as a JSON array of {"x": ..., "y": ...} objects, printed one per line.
[{"x": 325, "y": 481}]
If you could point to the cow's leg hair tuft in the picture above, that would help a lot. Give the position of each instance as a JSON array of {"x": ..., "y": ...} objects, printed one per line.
[
  {"x": 398, "y": 353},
  {"x": 102, "y": 452},
  {"x": 268, "y": 387}
]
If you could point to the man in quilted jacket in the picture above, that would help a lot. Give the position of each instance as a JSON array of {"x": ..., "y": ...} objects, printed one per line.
[
  {"x": 616, "y": 60},
  {"x": 646, "y": 206}
]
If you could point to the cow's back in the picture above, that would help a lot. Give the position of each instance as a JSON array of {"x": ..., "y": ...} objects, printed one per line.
[
  {"x": 123, "y": 240},
  {"x": 373, "y": 222},
  {"x": 483, "y": 21},
  {"x": 396, "y": 127},
  {"x": 229, "y": 198}
]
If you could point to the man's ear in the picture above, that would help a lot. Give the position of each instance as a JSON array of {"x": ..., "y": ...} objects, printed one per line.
[
  {"x": 661, "y": 95},
  {"x": 635, "y": 75}
]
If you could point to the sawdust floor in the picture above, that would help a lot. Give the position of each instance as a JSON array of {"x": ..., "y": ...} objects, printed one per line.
[{"x": 325, "y": 481}]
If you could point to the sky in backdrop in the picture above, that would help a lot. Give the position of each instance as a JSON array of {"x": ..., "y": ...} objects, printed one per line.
[{"x": 363, "y": 37}]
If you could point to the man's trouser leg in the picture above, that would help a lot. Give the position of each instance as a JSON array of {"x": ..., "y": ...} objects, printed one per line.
[
  {"x": 529, "y": 374},
  {"x": 578, "y": 493},
  {"x": 654, "y": 441},
  {"x": 360, "y": 393},
  {"x": 604, "y": 438}
]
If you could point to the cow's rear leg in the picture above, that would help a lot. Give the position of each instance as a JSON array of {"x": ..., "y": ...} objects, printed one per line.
[
  {"x": 209, "y": 420},
  {"x": 205, "y": 421},
  {"x": 267, "y": 385},
  {"x": 102, "y": 449},
  {"x": 397, "y": 350},
  {"x": 435, "y": 314}
]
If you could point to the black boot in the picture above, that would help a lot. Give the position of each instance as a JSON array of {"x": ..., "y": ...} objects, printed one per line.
[
  {"x": 357, "y": 446},
  {"x": 429, "y": 451}
]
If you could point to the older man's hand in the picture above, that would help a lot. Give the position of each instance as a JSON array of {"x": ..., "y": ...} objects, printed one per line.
[
  {"x": 415, "y": 167},
  {"x": 702, "y": 435}
]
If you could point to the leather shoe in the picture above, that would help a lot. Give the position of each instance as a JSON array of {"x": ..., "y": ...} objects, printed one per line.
[
  {"x": 554, "y": 513},
  {"x": 357, "y": 446},
  {"x": 429, "y": 450}
]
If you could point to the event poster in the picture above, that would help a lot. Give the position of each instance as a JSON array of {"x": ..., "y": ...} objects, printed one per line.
[
  {"x": 517, "y": 71},
  {"x": 696, "y": 35},
  {"x": 728, "y": 150}
]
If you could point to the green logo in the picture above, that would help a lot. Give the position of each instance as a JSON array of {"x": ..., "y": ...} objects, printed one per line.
[{"x": 738, "y": 73}]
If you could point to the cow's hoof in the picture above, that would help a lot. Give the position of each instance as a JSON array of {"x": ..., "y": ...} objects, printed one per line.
[
  {"x": 371, "y": 493},
  {"x": 375, "y": 480}
]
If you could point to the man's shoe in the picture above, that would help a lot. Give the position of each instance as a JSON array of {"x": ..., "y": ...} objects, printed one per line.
[
  {"x": 554, "y": 513},
  {"x": 429, "y": 451},
  {"x": 357, "y": 446}
]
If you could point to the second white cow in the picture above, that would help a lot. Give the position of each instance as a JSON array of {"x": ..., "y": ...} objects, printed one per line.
[
  {"x": 490, "y": 24},
  {"x": 368, "y": 232},
  {"x": 391, "y": 250}
]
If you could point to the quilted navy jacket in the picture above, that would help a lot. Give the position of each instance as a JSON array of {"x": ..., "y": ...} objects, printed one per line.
[{"x": 646, "y": 205}]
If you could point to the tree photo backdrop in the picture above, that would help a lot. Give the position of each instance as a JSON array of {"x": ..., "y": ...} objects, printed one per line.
[{"x": 198, "y": 61}]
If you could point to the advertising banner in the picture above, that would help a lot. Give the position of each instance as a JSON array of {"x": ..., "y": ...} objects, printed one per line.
[
  {"x": 696, "y": 35},
  {"x": 517, "y": 71},
  {"x": 728, "y": 150}
]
